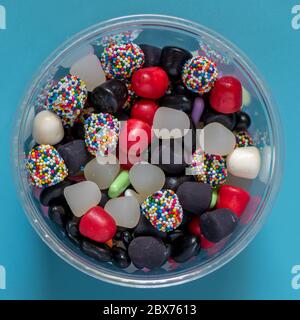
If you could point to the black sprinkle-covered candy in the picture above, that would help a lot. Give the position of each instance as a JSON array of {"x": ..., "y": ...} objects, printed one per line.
[{"x": 218, "y": 224}]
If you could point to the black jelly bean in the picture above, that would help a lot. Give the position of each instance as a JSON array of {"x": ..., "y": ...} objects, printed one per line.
[
  {"x": 126, "y": 238},
  {"x": 174, "y": 182},
  {"x": 75, "y": 156},
  {"x": 110, "y": 96},
  {"x": 104, "y": 198},
  {"x": 227, "y": 120},
  {"x": 145, "y": 228},
  {"x": 218, "y": 224},
  {"x": 194, "y": 197},
  {"x": 72, "y": 231},
  {"x": 174, "y": 235},
  {"x": 178, "y": 102},
  {"x": 172, "y": 60},
  {"x": 185, "y": 247},
  {"x": 243, "y": 121},
  {"x": 120, "y": 257},
  {"x": 149, "y": 252},
  {"x": 98, "y": 251},
  {"x": 54, "y": 195},
  {"x": 59, "y": 215},
  {"x": 152, "y": 55}
]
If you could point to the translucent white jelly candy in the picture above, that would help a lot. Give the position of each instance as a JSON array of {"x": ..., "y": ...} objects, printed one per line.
[
  {"x": 82, "y": 196},
  {"x": 80, "y": 52},
  {"x": 244, "y": 162},
  {"x": 132, "y": 193},
  {"x": 170, "y": 123},
  {"x": 146, "y": 178},
  {"x": 102, "y": 171},
  {"x": 216, "y": 139},
  {"x": 89, "y": 70},
  {"x": 47, "y": 128},
  {"x": 124, "y": 210},
  {"x": 246, "y": 97},
  {"x": 266, "y": 159}
]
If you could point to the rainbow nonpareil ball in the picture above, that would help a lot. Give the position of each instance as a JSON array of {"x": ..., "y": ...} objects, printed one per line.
[
  {"x": 121, "y": 60},
  {"x": 209, "y": 168},
  {"x": 163, "y": 210},
  {"x": 101, "y": 134},
  {"x": 199, "y": 74},
  {"x": 67, "y": 99},
  {"x": 45, "y": 166},
  {"x": 243, "y": 139}
]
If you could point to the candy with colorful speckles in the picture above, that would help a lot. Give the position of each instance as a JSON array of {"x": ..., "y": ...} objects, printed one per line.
[
  {"x": 67, "y": 99},
  {"x": 243, "y": 139},
  {"x": 163, "y": 210},
  {"x": 45, "y": 166},
  {"x": 199, "y": 74},
  {"x": 121, "y": 60}
]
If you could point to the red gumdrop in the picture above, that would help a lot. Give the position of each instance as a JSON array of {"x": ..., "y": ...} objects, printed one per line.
[
  {"x": 98, "y": 225},
  {"x": 226, "y": 95},
  {"x": 144, "y": 110},
  {"x": 233, "y": 198},
  {"x": 194, "y": 228},
  {"x": 151, "y": 82}
]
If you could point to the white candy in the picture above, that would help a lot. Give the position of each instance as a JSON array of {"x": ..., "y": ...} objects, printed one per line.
[
  {"x": 47, "y": 128},
  {"x": 170, "y": 123},
  {"x": 132, "y": 193},
  {"x": 244, "y": 162},
  {"x": 146, "y": 178},
  {"x": 217, "y": 139},
  {"x": 82, "y": 196},
  {"x": 266, "y": 159},
  {"x": 124, "y": 210},
  {"x": 246, "y": 97},
  {"x": 89, "y": 70},
  {"x": 82, "y": 51},
  {"x": 102, "y": 171}
]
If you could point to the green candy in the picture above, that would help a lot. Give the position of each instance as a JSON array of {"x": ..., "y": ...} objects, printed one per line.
[
  {"x": 214, "y": 198},
  {"x": 119, "y": 185}
]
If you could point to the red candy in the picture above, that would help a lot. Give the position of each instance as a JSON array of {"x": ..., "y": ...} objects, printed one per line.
[
  {"x": 233, "y": 198},
  {"x": 194, "y": 228},
  {"x": 226, "y": 95},
  {"x": 97, "y": 225},
  {"x": 144, "y": 110},
  {"x": 151, "y": 83}
]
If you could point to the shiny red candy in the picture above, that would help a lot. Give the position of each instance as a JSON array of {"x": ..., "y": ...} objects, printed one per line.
[
  {"x": 151, "y": 82},
  {"x": 226, "y": 95},
  {"x": 233, "y": 198},
  {"x": 194, "y": 228},
  {"x": 97, "y": 225},
  {"x": 144, "y": 110},
  {"x": 134, "y": 137}
]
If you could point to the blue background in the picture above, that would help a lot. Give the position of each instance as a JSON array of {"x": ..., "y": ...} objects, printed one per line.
[{"x": 262, "y": 29}]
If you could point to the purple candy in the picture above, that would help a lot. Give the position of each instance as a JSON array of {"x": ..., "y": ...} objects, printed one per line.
[{"x": 197, "y": 110}]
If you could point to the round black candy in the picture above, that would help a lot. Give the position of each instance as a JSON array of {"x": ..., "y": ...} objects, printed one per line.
[
  {"x": 120, "y": 257},
  {"x": 59, "y": 215},
  {"x": 152, "y": 55},
  {"x": 54, "y": 195},
  {"x": 194, "y": 197},
  {"x": 149, "y": 252},
  {"x": 145, "y": 228},
  {"x": 75, "y": 156},
  {"x": 172, "y": 60},
  {"x": 218, "y": 224},
  {"x": 185, "y": 247},
  {"x": 72, "y": 231},
  {"x": 178, "y": 102},
  {"x": 227, "y": 120},
  {"x": 243, "y": 121},
  {"x": 174, "y": 182},
  {"x": 110, "y": 96},
  {"x": 98, "y": 251}
]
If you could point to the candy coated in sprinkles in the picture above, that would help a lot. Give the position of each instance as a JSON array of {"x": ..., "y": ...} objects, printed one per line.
[
  {"x": 121, "y": 60},
  {"x": 199, "y": 74},
  {"x": 45, "y": 166},
  {"x": 163, "y": 210},
  {"x": 131, "y": 96},
  {"x": 243, "y": 139},
  {"x": 209, "y": 168},
  {"x": 67, "y": 99},
  {"x": 101, "y": 133}
]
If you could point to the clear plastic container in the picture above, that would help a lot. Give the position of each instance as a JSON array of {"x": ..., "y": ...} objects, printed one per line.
[{"x": 266, "y": 130}]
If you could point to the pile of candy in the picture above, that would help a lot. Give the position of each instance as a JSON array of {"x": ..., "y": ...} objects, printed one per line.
[{"x": 91, "y": 159}]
